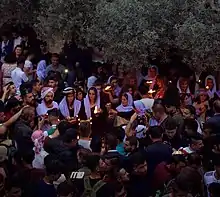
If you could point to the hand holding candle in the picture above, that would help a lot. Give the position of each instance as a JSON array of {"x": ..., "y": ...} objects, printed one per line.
[
  {"x": 151, "y": 91},
  {"x": 96, "y": 110}
]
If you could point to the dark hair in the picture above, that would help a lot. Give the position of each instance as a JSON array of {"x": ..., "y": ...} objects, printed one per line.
[
  {"x": 55, "y": 55},
  {"x": 18, "y": 46},
  {"x": 132, "y": 140},
  {"x": 191, "y": 109},
  {"x": 170, "y": 124},
  {"x": 194, "y": 159},
  {"x": 156, "y": 132},
  {"x": 28, "y": 156},
  {"x": 70, "y": 134},
  {"x": 176, "y": 159},
  {"x": 98, "y": 82},
  {"x": 96, "y": 92},
  {"x": 119, "y": 132},
  {"x": 85, "y": 129},
  {"x": 83, "y": 154},
  {"x": 21, "y": 60},
  {"x": 191, "y": 124},
  {"x": 96, "y": 144},
  {"x": 10, "y": 58},
  {"x": 53, "y": 112},
  {"x": 51, "y": 77},
  {"x": 63, "y": 126},
  {"x": 92, "y": 162},
  {"x": 137, "y": 159},
  {"x": 111, "y": 141},
  {"x": 34, "y": 82},
  {"x": 53, "y": 165},
  {"x": 125, "y": 95}
]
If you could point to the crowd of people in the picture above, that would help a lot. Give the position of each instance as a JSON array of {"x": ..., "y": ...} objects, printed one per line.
[{"x": 73, "y": 125}]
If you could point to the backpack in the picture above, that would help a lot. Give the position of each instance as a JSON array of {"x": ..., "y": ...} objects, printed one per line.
[
  {"x": 89, "y": 190},
  {"x": 11, "y": 150}
]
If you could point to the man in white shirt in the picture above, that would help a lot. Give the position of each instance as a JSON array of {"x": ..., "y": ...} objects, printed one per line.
[
  {"x": 213, "y": 176},
  {"x": 28, "y": 66},
  {"x": 16, "y": 37},
  {"x": 47, "y": 103},
  {"x": 18, "y": 75}
]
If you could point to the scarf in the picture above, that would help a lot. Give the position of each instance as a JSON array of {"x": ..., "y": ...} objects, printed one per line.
[
  {"x": 87, "y": 104},
  {"x": 211, "y": 92},
  {"x": 180, "y": 91},
  {"x": 139, "y": 106},
  {"x": 65, "y": 110},
  {"x": 127, "y": 108}
]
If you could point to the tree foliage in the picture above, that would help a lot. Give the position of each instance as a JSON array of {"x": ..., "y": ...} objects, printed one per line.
[{"x": 132, "y": 30}]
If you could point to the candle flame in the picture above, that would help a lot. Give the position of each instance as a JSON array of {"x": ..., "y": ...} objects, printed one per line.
[
  {"x": 96, "y": 110},
  {"x": 149, "y": 82},
  {"x": 66, "y": 71},
  {"x": 207, "y": 87},
  {"x": 151, "y": 91},
  {"x": 107, "y": 88}
]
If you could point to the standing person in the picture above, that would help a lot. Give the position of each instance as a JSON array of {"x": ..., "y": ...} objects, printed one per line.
[
  {"x": 210, "y": 85},
  {"x": 7, "y": 67},
  {"x": 28, "y": 66},
  {"x": 47, "y": 103},
  {"x": 17, "y": 39},
  {"x": 18, "y": 75},
  {"x": 45, "y": 54},
  {"x": 6, "y": 46},
  {"x": 56, "y": 66}
]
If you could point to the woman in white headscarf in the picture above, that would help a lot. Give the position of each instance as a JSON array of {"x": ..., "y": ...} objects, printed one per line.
[
  {"x": 90, "y": 110},
  {"x": 126, "y": 109},
  {"x": 210, "y": 85},
  {"x": 69, "y": 106}
]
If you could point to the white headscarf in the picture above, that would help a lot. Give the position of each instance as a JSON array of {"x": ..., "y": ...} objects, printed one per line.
[
  {"x": 45, "y": 91},
  {"x": 180, "y": 91},
  {"x": 127, "y": 108},
  {"x": 87, "y": 103},
  {"x": 211, "y": 92},
  {"x": 65, "y": 110}
]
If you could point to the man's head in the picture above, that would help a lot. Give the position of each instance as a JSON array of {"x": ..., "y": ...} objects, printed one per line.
[
  {"x": 18, "y": 50},
  {"x": 191, "y": 127},
  {"x": 170, "y": 128},
  {"x": 130, "y": 144},
  {"x": 47, "y": 95},
  {"x": 196, "y": 143},
  {"x": 138, "y": 164},
  {"x": 11, "y": 88},
  {"x": 85, "y": 129},
  {"x": 70, "y": 137},
  {"x": 55, "y": 59},
  {"x": 110, "y": 142},
  {"x": 53, "y": 116},
  {"x": 176, "y": 163},
  {"x": 43, "y": 46},
  {"x": 156, "y": 133},
  {"x": 189, "y": 112},
  {"x": 51, "y": 81},
  {"x": 36, "y": 86},
  {"x": 54, "y": 167},
  {"x": 28, "y": 115}
]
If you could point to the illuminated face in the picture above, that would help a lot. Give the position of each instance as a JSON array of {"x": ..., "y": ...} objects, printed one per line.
[
  {"x": 12, "y": 89},
  {"x": 70, "y": 98},
  {"x": 170, "y": 133},
  {"x": 80, "y": 96},
  {"x": 210, "y": 83},
  {"x": 124, "y": 101},
  {"x": 55, "y": 61},
  {"x": 183, "y": 85},
  {"x": 203, "y": 97},
  {"x": 49, "y": 98},
  {"x": 92, "y": 95},
  {"x": 29, "y": 99},
  {"x": 18, "y": 51},
  {"x": 52, "y": 83}
]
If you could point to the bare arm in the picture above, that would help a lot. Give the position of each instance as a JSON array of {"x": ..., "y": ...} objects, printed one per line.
[{"x": 128, "y": 127}]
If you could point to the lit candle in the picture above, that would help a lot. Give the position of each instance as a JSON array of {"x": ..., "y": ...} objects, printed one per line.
[
  {"x": 66, "y": 71},
  {"x": 149, "y": 82},
  {"x": 107, "y": 88},
  {"x": 199, "y": 81},
  {"x": 151, "y": 91},
  {"x": 207, "y": 87},
  {"x": 96, "y": 110},
  {"x": 170, "y": 81}
]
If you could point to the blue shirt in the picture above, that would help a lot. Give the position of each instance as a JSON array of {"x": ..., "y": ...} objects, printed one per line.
[{"x": 120, "y": 149}]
